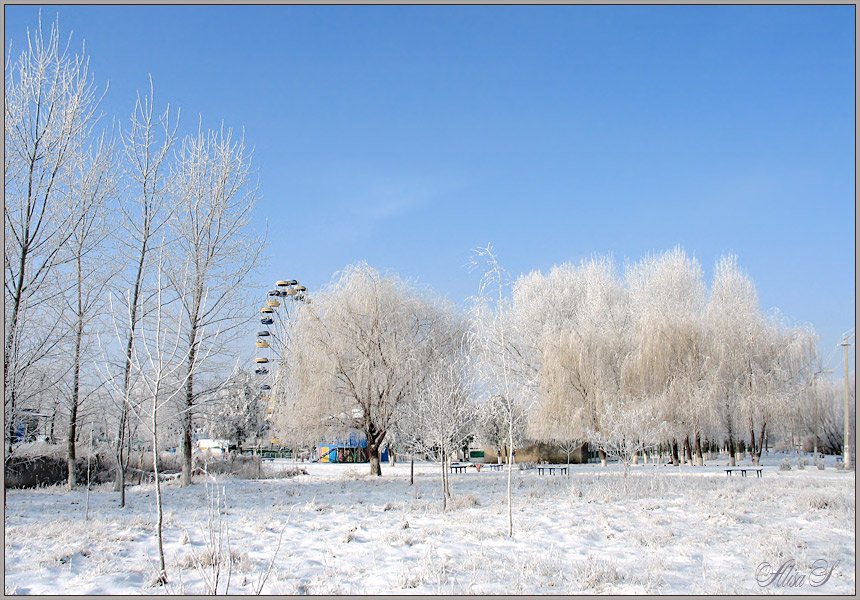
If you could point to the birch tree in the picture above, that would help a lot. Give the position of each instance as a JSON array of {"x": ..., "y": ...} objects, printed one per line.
[{"x": 214, "y": 197}]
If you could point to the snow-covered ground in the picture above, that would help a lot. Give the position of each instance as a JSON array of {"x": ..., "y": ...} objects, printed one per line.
[{"x": 669, "y": 530}]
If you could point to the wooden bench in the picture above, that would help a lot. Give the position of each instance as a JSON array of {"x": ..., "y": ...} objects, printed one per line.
[
  {"x": 458, "y": 468},
  {"x": 744, "y": 470},
  {"x": 550, "y": 470}
]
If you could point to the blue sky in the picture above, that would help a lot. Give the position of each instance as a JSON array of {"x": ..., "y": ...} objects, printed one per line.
[{"x": 406, "y": 136}]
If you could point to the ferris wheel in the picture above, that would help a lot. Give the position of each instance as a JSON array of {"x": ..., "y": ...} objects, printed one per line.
[{"x": 273, "y": 336}]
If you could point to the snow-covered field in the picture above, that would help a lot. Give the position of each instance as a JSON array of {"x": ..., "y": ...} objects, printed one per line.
[{"x": 669, "y": 530}]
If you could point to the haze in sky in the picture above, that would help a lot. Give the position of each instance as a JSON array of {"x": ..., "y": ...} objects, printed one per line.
[{"x": 407, "y": 136}]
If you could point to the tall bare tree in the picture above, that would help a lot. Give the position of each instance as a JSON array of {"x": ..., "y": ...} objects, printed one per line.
[
  {"x": 504, "y": 367},
  {"x": 214, "y": 198},
  {"x": 94, "y": 184},
  {"x": 145, "y": 212},
  {"x": 50, "y": 111}
]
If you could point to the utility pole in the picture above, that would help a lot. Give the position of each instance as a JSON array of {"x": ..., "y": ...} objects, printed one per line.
[{"x": 847, "y": 455}]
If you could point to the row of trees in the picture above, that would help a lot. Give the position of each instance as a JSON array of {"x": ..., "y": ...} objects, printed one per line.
[
  {"x": 582, "y": 354},
  {"x": 117, "y": 236}
]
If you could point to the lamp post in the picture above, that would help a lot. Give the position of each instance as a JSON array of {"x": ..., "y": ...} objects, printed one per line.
[{"x": 847, "y": 450}]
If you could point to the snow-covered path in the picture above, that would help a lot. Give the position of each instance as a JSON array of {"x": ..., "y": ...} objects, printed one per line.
[{"x": 673, "y": 530}]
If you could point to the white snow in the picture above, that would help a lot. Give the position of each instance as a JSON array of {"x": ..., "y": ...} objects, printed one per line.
[{"x": 672, "y": 530}]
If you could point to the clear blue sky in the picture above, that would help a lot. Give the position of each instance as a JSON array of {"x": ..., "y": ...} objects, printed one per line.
[{"x": 406, "y": 136}]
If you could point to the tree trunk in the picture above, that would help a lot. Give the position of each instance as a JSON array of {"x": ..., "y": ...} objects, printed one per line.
[
  {"x": 688, "y": 452},
  {"x": 373, "y": 455},
  {"x": 731, "y": 450},
  {"x": 444, "y": 481},
  {"x": 76, "y": 377},
  {"x": 412, "y": 469},
  {"x": 756, "y": 450},
  {"x": 675, "y": 460},
  {"x": 602, "y": 455},
  {"x": 159, "y": 504},
  {"x": 698, "y": 447},
  {"x": 510, "y": 475},
  {"x": 636, "y": 457},
  {"x": 189, "y": 406}
]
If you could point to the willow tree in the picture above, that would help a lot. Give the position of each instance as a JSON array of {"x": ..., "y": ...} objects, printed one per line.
[
  {"x": 362, "y": 348},
  {"x": 668, "y": 365},
  {"x": 577, "y": 318}
]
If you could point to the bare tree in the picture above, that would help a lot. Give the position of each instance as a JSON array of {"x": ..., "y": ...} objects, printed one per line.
[
  {"x": 144, "y": 215},
  {"x": 94, "y": 184},
  {"x": 214, "y": 199},
  {"x": 159, "y": 361},
  {"x": 444, "y": 412},
  {"x": 500, "y": 351},
  {"x": 50, "y": 110}
]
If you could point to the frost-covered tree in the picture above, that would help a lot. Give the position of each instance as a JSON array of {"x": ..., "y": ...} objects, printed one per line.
[
  {"x": 144, "y": 211},
  {"x": 578, "y": 318},
  {"x": 214, "y": 197},
  {"x": 237, "y": 412},
  {"x": 668, "y": 366},
  {"x": 160, "y": 366},
  {"x": 93, "y": 185},
  {"x": 733, "y": 324},
  {"x": 630, "y": 427},
  {"x": 50, "y": 112},
  {"x": 362, "y": 349},
  {"x": 504, "y": 367},
  {"x": 442, "y": 406}
]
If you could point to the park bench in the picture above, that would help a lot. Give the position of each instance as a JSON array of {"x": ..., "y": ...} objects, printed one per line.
[
  {"x": 550, "y": 469},
  {"x": 493, "y": 466},
  {"x": 458, "y": 468},
  {"x": 744, "y": 470}
]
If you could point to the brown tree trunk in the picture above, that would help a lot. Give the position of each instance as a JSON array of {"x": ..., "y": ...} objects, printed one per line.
[
  {"x": 757, "y": 450},
  {"x": 688, "y": 452},
  {"x": 412, "y": 469},
  {"x": 700, "y": 461},
  {"x": 731, "y": 448},
  {"x": 373, "y": 455},
  {"x": 675, "y": 460},
  {"x": 602, "y": 455}
]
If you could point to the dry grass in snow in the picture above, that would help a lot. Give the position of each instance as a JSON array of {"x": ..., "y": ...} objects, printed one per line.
[{"x": 663, "y": 530}]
